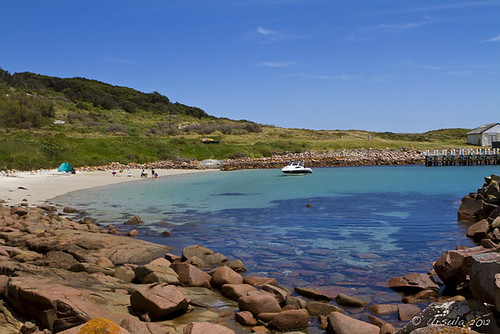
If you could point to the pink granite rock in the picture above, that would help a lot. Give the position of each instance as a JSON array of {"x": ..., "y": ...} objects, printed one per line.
[
  {"x": 236, "y": 291},
  {"x": 286, "y": 321},
  {"x": 206, "y": 328},
  {"x": 412, "y": 283},
  {"x": 245, "y": 318},
  {"x": 159, "y": 300},
  {"x": 339, "y": 323},
  {"x": 189, "y": 275},
  {"x": 259, "y": 302},
  {"x": 258, "y": 281},
  {"x": 225, "y": 275}
]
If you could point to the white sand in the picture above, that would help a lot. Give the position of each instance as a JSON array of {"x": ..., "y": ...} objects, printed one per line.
[{"x": 41, "y": 186}]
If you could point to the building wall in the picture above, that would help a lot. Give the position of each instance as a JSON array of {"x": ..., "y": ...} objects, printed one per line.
[
  {"x": 492, "y": 134},
  {"x": 474, "y": 139},
  {"x": 489, "y": 138}
]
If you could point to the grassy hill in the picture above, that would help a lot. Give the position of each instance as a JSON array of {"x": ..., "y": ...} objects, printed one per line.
[{"x": 46, "y": 120}]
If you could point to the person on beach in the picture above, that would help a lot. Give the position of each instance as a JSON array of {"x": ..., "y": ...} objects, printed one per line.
[
  {"x": 114, "y": 173},
  {"x": 152, "y": 173},
  {"x": 144, "y": 174}
]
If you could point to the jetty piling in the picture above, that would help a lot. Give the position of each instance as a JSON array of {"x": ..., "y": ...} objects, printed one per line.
[{"x": 463, "y": 157}]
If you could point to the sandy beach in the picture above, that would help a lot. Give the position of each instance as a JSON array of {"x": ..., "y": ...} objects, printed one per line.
[{"x": 35, "y": 188}]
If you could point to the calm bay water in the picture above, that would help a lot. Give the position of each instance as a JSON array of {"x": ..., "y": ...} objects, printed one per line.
[{"x": 363, "y": 225}]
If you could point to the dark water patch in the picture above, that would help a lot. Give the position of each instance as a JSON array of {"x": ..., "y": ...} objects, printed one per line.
[
  {"x": 232, "y": 194},
  {"x": 152, "y": 209}
]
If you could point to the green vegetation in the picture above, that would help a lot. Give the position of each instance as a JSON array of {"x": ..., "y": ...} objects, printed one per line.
[{"x": 46, "y": 120}]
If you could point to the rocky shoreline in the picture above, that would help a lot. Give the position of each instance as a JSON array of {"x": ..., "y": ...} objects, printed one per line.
[
  {"x": 355, "y": 157},
  {"x": 58, "y": 275}
]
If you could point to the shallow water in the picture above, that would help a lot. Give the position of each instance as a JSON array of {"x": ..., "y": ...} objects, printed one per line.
[{"x": 363, "y": 225}]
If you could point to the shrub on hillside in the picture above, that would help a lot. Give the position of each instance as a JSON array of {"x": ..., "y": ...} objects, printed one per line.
[
  {"x": 116, "y": 127},
  {"x": 153, "y": 131},
  {"x": 25, "y": 111},
  {"x": 76, "y": 117}
]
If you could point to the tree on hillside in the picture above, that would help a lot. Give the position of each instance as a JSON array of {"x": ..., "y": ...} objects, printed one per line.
[{"x": 4, "y": 76}]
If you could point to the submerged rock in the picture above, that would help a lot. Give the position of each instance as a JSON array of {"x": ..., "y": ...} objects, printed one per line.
[
  {"x": 135, "y": 220},
  {"x": 345, "y": 300},
  {"x": 317, "y": 309}
]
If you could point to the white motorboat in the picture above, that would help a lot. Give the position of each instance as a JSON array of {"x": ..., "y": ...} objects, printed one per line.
[{"x": 296, "y": 168}]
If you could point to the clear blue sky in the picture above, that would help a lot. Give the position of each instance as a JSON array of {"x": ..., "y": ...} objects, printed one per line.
[{"x": 380, "y": 65}]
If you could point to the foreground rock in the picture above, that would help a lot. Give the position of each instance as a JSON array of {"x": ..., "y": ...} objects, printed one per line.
[
  {"x": 412, "y": 283},
  {"x": 158, "y": 301},
  {"x": 156, "y": 271},
  {"x": 206, "y": 328},
  {"x": 453, "y": 267},
  {"x": 58, "y": 307},
  {"x": 207, "y": 256},
  {"x": 466, "y": 314},
  {"x": 482, "y": 272},
  {"x": 289, "y": 320},
  {"x": 97, "y": 325},
  {"x": 339, "y": 323},
  {"x": 258, "y": 302},
  {"x": 189, "y": 275}
]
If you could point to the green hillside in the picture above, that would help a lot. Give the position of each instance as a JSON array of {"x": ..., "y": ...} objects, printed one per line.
[{"x": 45, "y": 120}]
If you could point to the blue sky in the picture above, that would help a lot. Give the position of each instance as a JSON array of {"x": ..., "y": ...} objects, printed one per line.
[{"x": 379, "y": 65}]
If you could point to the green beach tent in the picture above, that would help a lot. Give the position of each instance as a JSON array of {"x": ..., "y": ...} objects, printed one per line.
[{"x": 65, "y": 167}]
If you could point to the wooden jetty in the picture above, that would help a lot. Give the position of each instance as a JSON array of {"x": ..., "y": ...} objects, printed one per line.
[{"x": 463, "y": 157}]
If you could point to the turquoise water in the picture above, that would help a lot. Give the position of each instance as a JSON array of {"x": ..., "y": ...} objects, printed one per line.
[{"x": 363, "y": 225}]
